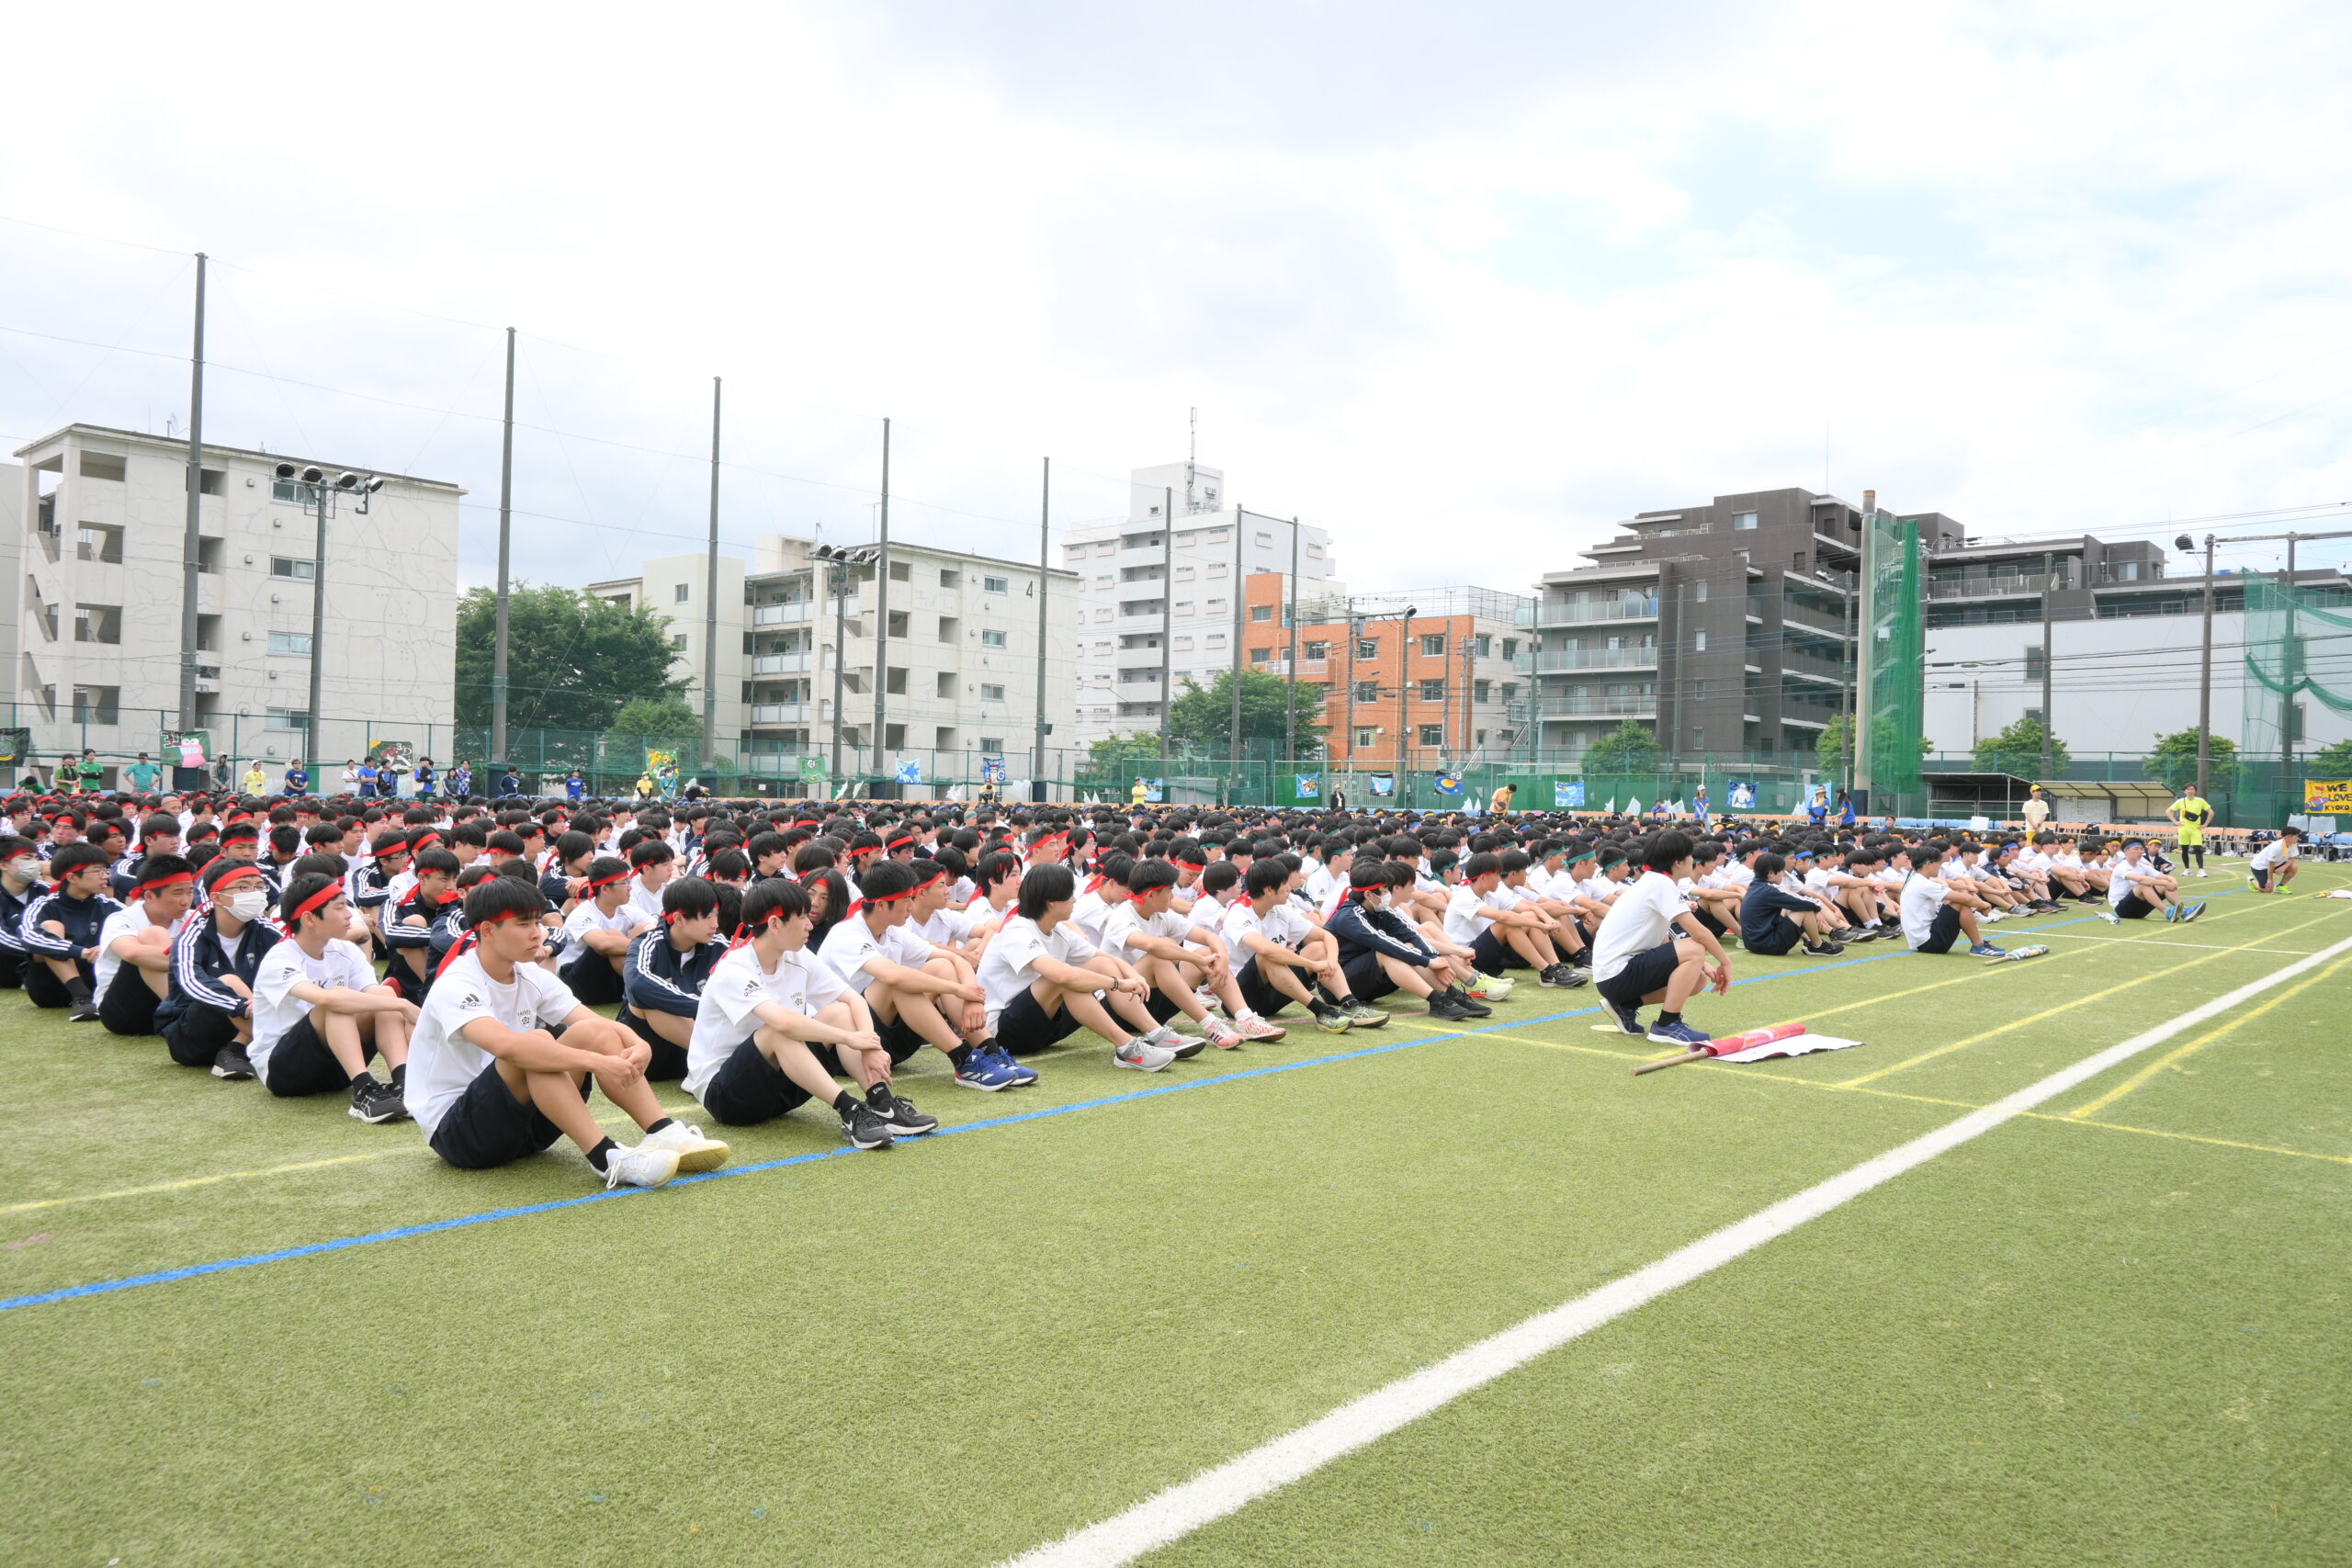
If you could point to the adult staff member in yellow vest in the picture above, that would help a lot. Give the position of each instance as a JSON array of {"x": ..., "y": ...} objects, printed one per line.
[{"x": 2190, "y": 813}]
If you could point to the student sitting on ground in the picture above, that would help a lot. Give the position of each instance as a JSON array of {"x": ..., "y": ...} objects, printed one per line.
[
  {"x": 501, "y": 1059},
  {"x": 2136, "y": 888},
  {"x": 1773, "y": 919},
  {"x": 207, "y": 1019},
  {"x": 1162, "y": 945},
  {"x": 1637, "y": 961},
  {"x": 20, "y": 884},
  {"x": 61, "y": 929},
  {"x": 1380, "y": 952},
  {"x": 1043, "y": 980},
  {"x": 133, "y": 970},
  {"x": 766, "y": 1002},
  {"x": 1499, "y": 936},
  {"x": 918, "y": 994},
  {"x": 318, "y": 1013},
  {"x": 667, "y": 968},
  {"x": 1933, "y": 916},
  {"x": 602, "y": 927},
  {"x": 1285, "y": 959},
  {"x": 408, "y": 925}
]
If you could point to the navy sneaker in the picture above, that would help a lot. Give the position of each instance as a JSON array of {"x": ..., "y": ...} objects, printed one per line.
[
  {"x": 1021, "y": 1077},
  {"x": 1987, "y": 949},
  {"x": 1678, "y": 1033},
  {"x": 984, "y": 1071},
  {"x": 1629, "y": 1020}
]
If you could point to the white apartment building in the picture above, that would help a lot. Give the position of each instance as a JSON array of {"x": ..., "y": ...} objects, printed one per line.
[
  {"x": 962, "y": 656},
  {"x": 101, "y": 520},
  {"x": 1138, "y": 585}
]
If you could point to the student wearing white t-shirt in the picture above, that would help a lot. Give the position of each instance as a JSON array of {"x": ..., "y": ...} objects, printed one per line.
[
  {"x": 919, "y": 995},
  {"x": 1044, "y": 981},
  {"x": 1481, "y": 916},
  {"x": 2136, "y": 889},
  {"x": 489, "y": 1079},
  {"x": 1164, "y": 947},
  {"x": 766, "y": 1008},
  {"x": 2274, "y": 865},
  {"x": 654, "y": 862},
  {"x": 1285, "y": 959},
  {"x": 1934, "y": 918},
  {"x": 132, "y": 971},
  {"x": 1637, "y": 960},
  {"x": 319, "y": 1013},
  {"x": 598, "y": 932}
]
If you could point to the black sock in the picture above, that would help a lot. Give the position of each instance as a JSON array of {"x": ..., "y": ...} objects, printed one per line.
[
  {"x": 362, "y": 1076},
  {"x": 665, "y": 1121},
  {"x": 879, "y": 1096},
  {"x": 601, "y": 1156},
  {"x": 959, "y": 1056},
  {"x": 400, "y": 1074},
  {"x": 1664, "y": 1017},
  {"x": 78, "y": 989},
  {"x": 845, "y": 1102}
]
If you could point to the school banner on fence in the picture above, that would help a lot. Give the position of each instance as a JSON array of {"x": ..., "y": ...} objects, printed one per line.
[
  {"x": 1567, "y": 795},
  {"x": 1449, "y": 783},
  {"x": 1309, "y": 785},
  {"x": 2325, "y": 798}
]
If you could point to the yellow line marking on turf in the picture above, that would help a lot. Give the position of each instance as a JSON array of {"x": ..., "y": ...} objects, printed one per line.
[
  {"x": 2086, "y": 936},
  {"x": 2170, "y": 1057},
  {"x": 2038, "y": 1017}
]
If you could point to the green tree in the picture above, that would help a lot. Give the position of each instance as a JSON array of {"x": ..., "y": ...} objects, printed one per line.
[
  {"x": 1829, "y": 751},
  {"x": 1204, "y": 715},
  {"x": 2017, "y": 750},
  {"x": 2334, "y": 762},
  {"x": 1627, "y": 750},
  {"x": 2174, "y": 760},
  {"x": 572, "y": 658},
  {"x": 664, "y": 717},
  {"x": 1117, "y": 758}
]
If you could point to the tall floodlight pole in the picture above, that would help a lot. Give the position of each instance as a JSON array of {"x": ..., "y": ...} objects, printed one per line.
[
  {"x": 497, "y": 757},
  {"x": 2205, "y": 667},
  {"x": 1045, "y": 564},
  {"x": 1167, "y": 610},
  {"x": 315, "y": 726},
  {"x": 192, "y": 552},
  {"x": 1290, "y": 613},
  {"x": 837, "y": 580},
  {"x": 1404, "y": 671},
  {"x": 1240, "y": 577},
  {"x": 2049, "y": 658},
  {"x": 710, "y": 601},
  {"x": 882, "y": 610},
  {"x": 2289, "y": 673},
  {"x": 1348, "y": 729}
]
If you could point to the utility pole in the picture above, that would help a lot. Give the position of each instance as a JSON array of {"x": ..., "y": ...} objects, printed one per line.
[
  {"x": 497, "y": 757},
  {"x": 1348, "y": 621},
  {"x": 1290, "y": 696},
  {"x": 1240, "y": 578},
  {"x": 882, "y": 612},
  {"x": 710, "y": 602},
  {"x": 192, "y": 554},
  {"x": 1864, "y": 612},
  {"x": 1469, "y": 673},
  {"x": 2049, "y": 658},
  {"x": 2205, "y": 678},
  {"x": 837, "y": 578},
  {"x": 2291, "y": 662},
  {"x": 1045, "y": 564},
  {"x": 319, "y": 493},
  {"x": 1403, "y": 671},
  {"x": 1166, "y": 609}
]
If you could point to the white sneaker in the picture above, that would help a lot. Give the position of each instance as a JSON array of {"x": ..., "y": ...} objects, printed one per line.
[
  {"x": 2204, "y": 873},
  {"x": 2110, "y": 917},
  {"x": 1989, "y": 917},
  {"x": 1168, "y": 1039},
  {"x": 1143, "y": 1058},
  {"x": 644, "y": 1165},
  {"x": 695, "y": 1153}
]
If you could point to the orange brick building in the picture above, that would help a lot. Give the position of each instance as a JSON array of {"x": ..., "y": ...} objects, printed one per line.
[{"x": 1445, "y": 687}]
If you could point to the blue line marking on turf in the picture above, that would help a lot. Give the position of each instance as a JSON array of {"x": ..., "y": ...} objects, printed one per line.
[{"x": 461, "y": 1221}]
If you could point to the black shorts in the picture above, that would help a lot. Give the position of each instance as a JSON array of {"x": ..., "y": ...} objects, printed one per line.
[
  {"x": 1024, "y": 1026},
  {"x": 300, "y": 1063},
  {"x": 196, "y": 1035},
  {"x": 44, "y": 989},
  {"x": 12, "y": 968},
  {"x": 1942, "y": 933},
  {"x": 1645, "y": 971},
  {"x": 2261, "y": 875},
  {"x": 749, "y": 1088},
  {"x": 669, "y": 1064},
  {"x": 128, "y": 1005},
  {"x": 406, "y": 984},
  {"x": 2134, "y": 908},
  {"x": 1491, "y": 955},
  {"x": 1707, "y": 920},
  {"x": 488, "y": 1126},
  {"x": 1367, "y": 981},
  {"x": 1786, "y": 933},
  {"x": 898, "y": 1037},
  {"x": 1258, "y": 993},
  {"x": 592, "y": 978}
]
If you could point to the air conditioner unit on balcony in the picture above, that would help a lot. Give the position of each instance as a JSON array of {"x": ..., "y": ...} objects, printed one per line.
[{"x": 207, "y": 687}]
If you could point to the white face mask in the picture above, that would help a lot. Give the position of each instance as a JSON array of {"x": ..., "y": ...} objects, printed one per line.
[
  {"x": 25, "y": 866},
  {"x": 248, "y": 906}
]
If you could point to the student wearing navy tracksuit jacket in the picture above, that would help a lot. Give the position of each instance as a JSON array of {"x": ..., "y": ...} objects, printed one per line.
[
  {"x": 1380, "y": 952},
  {"x": 20, "y": 884},
  {"x": 206, "y": 1019},
  {"x": 408, "y": 925},
  {"x": 663, "y": 979},
  {"x": 60, "y": 930}
]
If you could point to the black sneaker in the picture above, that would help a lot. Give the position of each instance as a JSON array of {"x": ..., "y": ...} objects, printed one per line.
[
  {"x": 864, "y": 1129},
  {"x": 899, "y": 1116},
  {"x": 375, "y": 1102},
  {"x": 85, "y": 1011},
  {"x": 1447, "y": 1005},
  {"x": 1824, "y": 949},
  {"x": 1471, "y": 1006},
  {"x": 232, "y": 1064}
]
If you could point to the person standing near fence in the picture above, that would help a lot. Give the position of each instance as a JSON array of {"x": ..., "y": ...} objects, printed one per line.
[{"x": 2190, "y": 813}]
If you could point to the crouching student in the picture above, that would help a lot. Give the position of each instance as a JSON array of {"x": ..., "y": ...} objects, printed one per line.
[
  {"x": 667, "y": 968},
  {"x": 600, "y": 927},
  {"x": 766, "y": 1002},
  {"x": 318, "y": 1013},
  {"x": 918, "y": 994},
  {"x": 1932, "y": 921},
  {"x": 133, "y": 970},
  {"x": 1773, "y": 919},
  {"x": 504, "y": 1056},
  {"x": 1637, "y": 959},
  {"x": 1043, "y": 980},
  {"x": 61, "y": 930},
  {"x": 207, "y": 1020},
  {"x": 2274, "y": 865},
  {"x": 1380, "y": 953}
]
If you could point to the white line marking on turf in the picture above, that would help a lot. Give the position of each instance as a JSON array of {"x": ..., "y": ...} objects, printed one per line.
[{"x": 1228, "y": 1488}]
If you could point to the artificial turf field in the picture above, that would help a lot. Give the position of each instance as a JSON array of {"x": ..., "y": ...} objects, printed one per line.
[{"x": 2113, "y": 1330}]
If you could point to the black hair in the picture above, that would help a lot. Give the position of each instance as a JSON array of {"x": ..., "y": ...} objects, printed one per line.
[
  {"x": 886, "y": 879},
  {"x": 1668, "y": 848},
  {"x": 1770, "y": 865},
  {"x": 155, "y": 866},
  {"x": 690, "y": 897},
  {"x": 1266, "y": 876},
  {"x": 495, "y": 897},
  {"x": 1045, "y": 885},
  {"x": 1220, "y": 875},
  {"x": 299, "y": 890},
  {"x": 770, "y": 898},
  {"x": 436, "y": 859},
  {"x": 81, "y": 853},
  {"x": 1150, "y": 876},
  {"x": 1482, "y": 864}
]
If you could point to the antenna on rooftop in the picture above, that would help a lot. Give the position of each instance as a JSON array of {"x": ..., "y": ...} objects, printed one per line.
[{"x": 1192, "y": 464}]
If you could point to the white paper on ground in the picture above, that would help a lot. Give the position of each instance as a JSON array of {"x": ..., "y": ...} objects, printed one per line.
[{"x": 1796, "y": 1046}]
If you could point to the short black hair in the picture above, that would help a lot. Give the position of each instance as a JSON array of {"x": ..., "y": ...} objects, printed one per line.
[
  {"x": 495, "y": 898},
  {"x": 1266, "y": 875},
  {"x": 300, "y": 890},
  {"x": 1668, "y": 848},
  {"x": 73, "y": 857},
  {"x": 768, "y": 899},
  {"x": 689, "y": 898},
  {"x": 1045, "y": 885}
]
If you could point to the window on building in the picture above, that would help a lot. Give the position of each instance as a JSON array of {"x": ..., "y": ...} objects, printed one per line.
[
  {"x": 950, "y": 578},
  {"x": 682, "y": 591},
  {"x": 1183, "y": 574},
  {"x": 678, "y": 641},
  {"x": 1434, "y": 644},
  {"x": 1314, "y": 552},
  {"x": 944, "y": 685},
  {"x": 211, "y": 482},
  {"x": 949, "y": 628},
  {"x": 1698, "y": 691},
  {"x": 1481, "y": 691},
  {"x": 1261, "y": 655},
  {"x": 1743, "y": 520},
  {"x": 1699, "y": 591},
  {"x": 990, "y": 692},
  {"x": 97, "y": 623},
  {"x": 1216, "y": 535},
  {"x": 1315, "y": 650},
  {"x": 992, "y": 743},
  {"x": 1214, "y": 607},
  {"x": 898, "y": 681},
  {"x": 97, "y": 542},
  {"x": 898, "y": 623},
  {"x": 894, "y": 735},
  {"x": 1265, "y": 540},
  {"x": 996, "y": 585},
  {"x": 1183, "y": 607},
  {"x": 1216, "y": 569},
  {"x": 1186, "y": 541},
  {"x": 287, "y": 718},
  {"x": 1367, "y": 691},
  {"x": 102, "y": 465},
  {"x": 1698, "y": 642},
  {"x": 1482, "y": 647},
  {"x": 1433, "y": 691},
  {"x": 1796, "y": 562},
  {"x": 1102, "y": 616},
  {"x": 1367, "y": 648},
  {"x": 992, "y": 638},
  {"x": 301, "y": 571},
  {"x": 902, "y": 572},
  {"x": 294, "y": 643},
  {"x": 1261, "y": 612},
  {"x": 1432, "y": 735}
]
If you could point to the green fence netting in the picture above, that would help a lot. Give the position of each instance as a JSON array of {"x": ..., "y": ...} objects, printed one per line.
[
  {"x": 2298, "y": 655},
  {"x": 1895, "y": 628}
]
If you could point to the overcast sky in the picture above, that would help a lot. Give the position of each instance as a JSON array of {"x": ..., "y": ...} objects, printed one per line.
[{"x": 1464, "y": 283}]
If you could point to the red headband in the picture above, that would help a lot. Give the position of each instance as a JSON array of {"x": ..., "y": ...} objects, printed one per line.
[
  {"x": 902, "y": 839},
  {"x": 885, "y": 898},
  {"x": 153, "y": 884},
  {"x": 314, "y": 903},
  {"x": 237, "y": 873},
  {"x": 597, "y": 882}
]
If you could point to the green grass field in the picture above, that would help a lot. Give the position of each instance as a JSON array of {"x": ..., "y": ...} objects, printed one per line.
[{"x": 2113, "y": 1331}]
